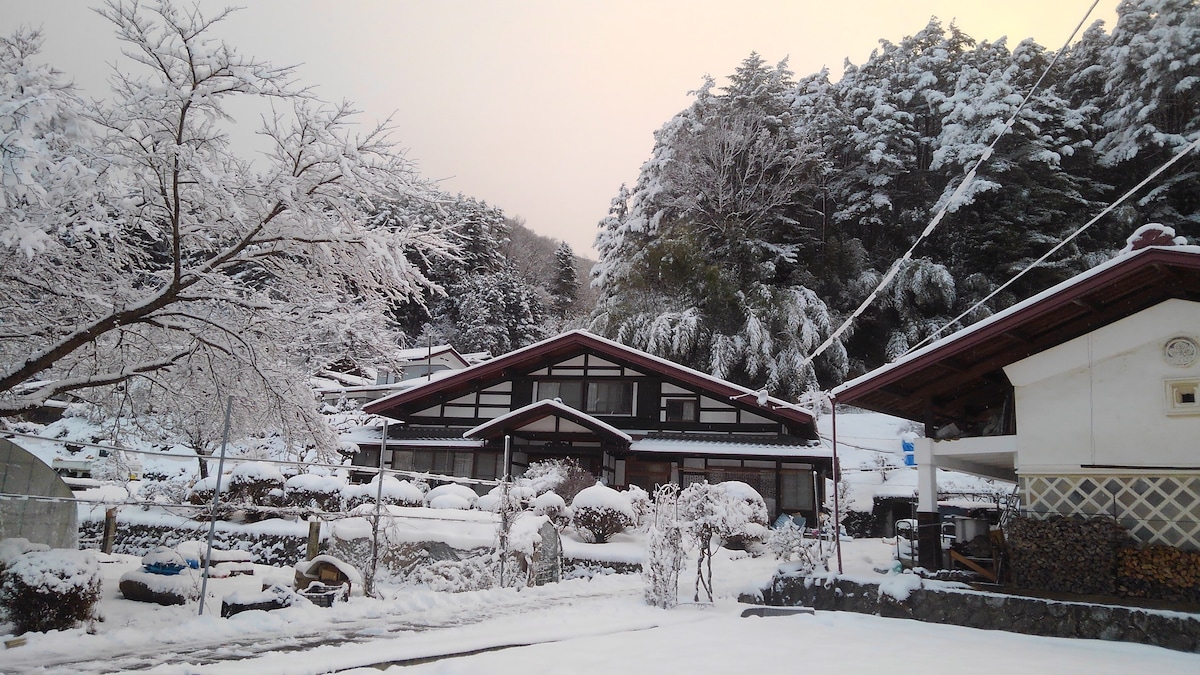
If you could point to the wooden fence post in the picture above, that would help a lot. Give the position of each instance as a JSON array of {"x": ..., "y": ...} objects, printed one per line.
[
  {"x": 110, "y": 530},
  {"x": 314, "y": 539}
]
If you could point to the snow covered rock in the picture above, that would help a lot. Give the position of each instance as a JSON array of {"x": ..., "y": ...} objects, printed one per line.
[
  {"x": 164, "y": 560},
  {"x": 161, "y": 589}
]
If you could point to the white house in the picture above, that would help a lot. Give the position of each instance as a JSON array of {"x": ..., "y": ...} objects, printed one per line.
[{"x": 1085, "y": 395}]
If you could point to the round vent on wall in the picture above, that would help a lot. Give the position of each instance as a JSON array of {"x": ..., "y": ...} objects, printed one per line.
[{"x": 1181, "y": 351}]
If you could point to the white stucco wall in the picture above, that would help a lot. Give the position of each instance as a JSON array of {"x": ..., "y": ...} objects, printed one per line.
[{"x": 1101, "y": 399}]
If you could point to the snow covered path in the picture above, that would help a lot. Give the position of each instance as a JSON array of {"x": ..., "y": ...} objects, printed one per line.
[{"x": 252, "y": 635}]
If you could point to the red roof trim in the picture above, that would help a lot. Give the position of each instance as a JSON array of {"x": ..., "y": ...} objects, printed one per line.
[
  {"x": 1013, "y": 318},
  {"x": 567, "y": 344}
]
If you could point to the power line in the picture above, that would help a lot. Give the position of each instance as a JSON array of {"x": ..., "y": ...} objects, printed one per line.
[
  {"x": 1120, "y": 200},
  {"x": 937, "y": 218}
]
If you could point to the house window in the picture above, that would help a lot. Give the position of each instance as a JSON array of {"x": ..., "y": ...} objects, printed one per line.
[
  {"x": 444, "y": 462},
  {"x": 569, "y": 392},
  {"x": 610, "y": 398},
  {"x": 682, "y": 409},
  {"x": 796, "y": 490},
  {"x": 599, "y": 397}
]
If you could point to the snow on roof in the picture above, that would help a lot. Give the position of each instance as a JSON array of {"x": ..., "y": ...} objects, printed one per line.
[
  {"x": 306, "y": 567},
  {"x": 562, "y": 409},
  {"x": 1004, "y": 314},
  {"x": 687, "y": 446},
  {"x": 419, "y": 353}
]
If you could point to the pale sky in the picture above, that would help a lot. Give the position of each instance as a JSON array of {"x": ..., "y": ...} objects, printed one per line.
[{"x": 544, "y": 107}]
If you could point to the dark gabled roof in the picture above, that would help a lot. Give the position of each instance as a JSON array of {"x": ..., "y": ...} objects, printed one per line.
[
  {"x": 528, "y": 359},
  {"x": 541, "y": 409},
  {"x": 961, "y": 379}
]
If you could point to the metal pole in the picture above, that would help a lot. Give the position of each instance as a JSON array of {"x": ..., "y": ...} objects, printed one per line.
[
  {"x": 370, "y": 589},
  {"x": 212, "y": 520},
  {"x": 837, "y": 518},
  {"x": 504, "y": 506}
]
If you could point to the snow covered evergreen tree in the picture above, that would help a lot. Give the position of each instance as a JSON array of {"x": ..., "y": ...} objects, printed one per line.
[
  {"x": 702, "y": 261},
  {"x": 1153, "y": 105},
  {"x": 564, "y": 286}
]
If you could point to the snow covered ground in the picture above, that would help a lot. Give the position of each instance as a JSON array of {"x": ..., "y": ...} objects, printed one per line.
[{"x": 600, "y": 625}]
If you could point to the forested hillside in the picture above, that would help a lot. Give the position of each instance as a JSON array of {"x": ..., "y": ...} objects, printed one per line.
[{"x": 773, "y": 205}]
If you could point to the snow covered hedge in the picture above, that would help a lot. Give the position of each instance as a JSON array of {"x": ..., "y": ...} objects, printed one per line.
[{"x": 50, "y": 590}]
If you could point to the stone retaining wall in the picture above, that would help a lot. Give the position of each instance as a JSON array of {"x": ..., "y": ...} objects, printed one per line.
[{"x": 943, "y": 603}]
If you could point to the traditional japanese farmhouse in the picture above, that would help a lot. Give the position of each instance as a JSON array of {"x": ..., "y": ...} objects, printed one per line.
[
  {"x": 344, "y": 380},
  {"x": 1085, "y": 395},
  {"x": 627, "y": 416}
]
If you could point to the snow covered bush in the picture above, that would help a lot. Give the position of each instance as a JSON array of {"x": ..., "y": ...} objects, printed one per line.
[
  {"x": 311, "y": 491},
  {"x": 458, "y": 576},
  {"x": 643, "y": 508},
  {"x": 664, "y": 549},
  {"x": 563, "y": 476},
  {"x": 713, "y": 515},
  {"x": 166, "y": 491},
  {"x": 746, "y": 523},
  {"x": 464, "y": 494},
  {"x": 254, "y": 484},
  {"x": 788, "y": 544},
  {"x": 50, "y": 590},
  {"x": 395, "y": 491},
  {"x": 203, "y": 489},
  {"x": 551, "y": 505},
  {"x": 599, "y": 512}
]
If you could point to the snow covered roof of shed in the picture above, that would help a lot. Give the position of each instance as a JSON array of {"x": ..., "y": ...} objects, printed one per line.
[
  {"x": 566, "y": 345},
  {"x": 960, "y": 378}
]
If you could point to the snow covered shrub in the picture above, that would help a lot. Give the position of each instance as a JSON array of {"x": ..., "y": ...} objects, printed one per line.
[
  {"x": 255, "y": 484},
  {"x": 599, "y": 512},
  {"x": 310, "y": 491},
  {"x": 716, "y": 515},
  {"x": 458, "y": 576},
  {"x": 788, "y": 543},
  {"x": 664, "y": 549},
  {"x": 203, "y": 489},
  {"x": 563, "y": 476},
  {"x": 465, "y": 495},
  {"x": 745, "y": 526},
  {"x": 552, "y": 506},
  {"x": 395, "y": 491},
  {"x": 166, "y": 491},
  {"x": 643, "y": 508},
  {"x": 50, "y": 590}
]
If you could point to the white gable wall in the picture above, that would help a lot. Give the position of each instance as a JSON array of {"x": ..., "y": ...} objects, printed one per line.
[{"x": 1101, "y": 399}]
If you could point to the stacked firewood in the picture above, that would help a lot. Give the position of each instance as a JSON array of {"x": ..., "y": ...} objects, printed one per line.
[
  {"x": 1159, "y": 572},
  {"x": 1065, "y": 554}
]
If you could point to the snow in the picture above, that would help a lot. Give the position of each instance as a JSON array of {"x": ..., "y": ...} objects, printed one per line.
[
  {"x": 600, "y": 497},
  {"x": 463, "y": 492},
  {"x": 306, "y": 568},
  {"x": 255, "y": 471},
  {"x": 56, "y": 570},
  {"x": 596, "y": 626}
]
